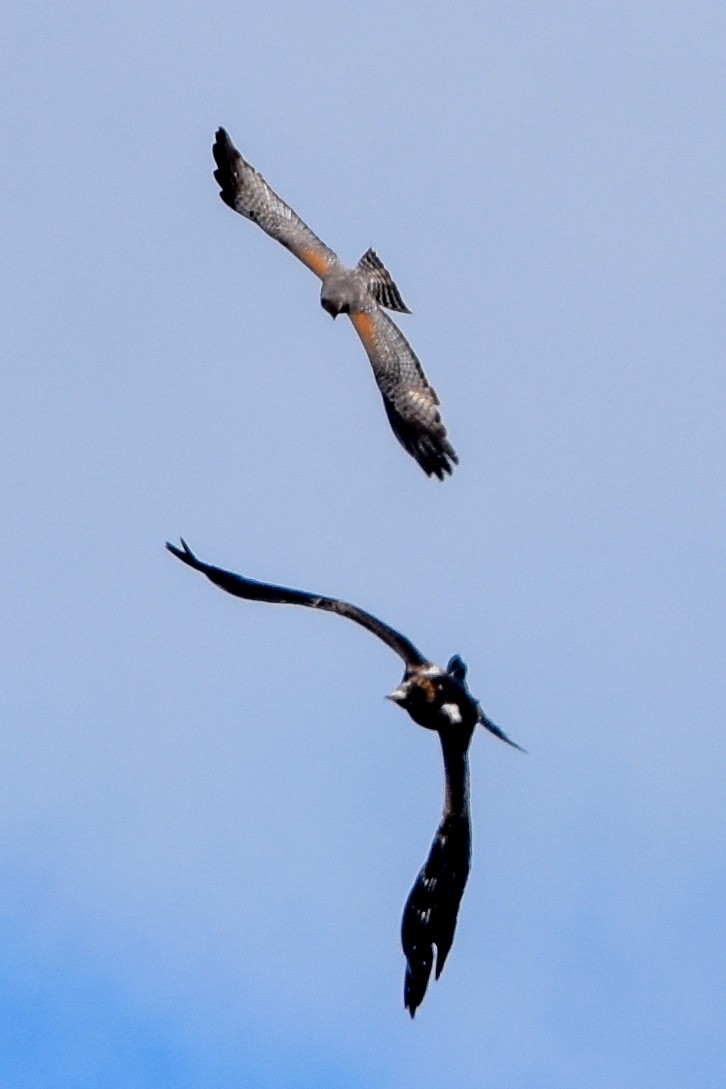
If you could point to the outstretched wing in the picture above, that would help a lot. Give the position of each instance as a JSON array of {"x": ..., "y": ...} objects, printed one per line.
[
  {"x": 410, "y": 402},
  {"x": 262, "y": 591},
  {"x": 247, "y": 192},
  {"x": 429, "y": 918}
]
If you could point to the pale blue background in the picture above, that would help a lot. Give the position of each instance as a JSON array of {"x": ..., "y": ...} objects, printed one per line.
[{"x": 210, "y": 818}]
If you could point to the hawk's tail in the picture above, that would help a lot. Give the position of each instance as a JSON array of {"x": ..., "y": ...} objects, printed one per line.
[{"x": 381, "y": 284}]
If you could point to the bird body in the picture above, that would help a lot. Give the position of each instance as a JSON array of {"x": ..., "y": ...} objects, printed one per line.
[
  {"x": 411, "y": 403},
  {"x": 439, "y": 700}
]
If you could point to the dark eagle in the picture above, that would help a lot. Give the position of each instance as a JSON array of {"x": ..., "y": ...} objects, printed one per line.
[{"x": 439, "y": 700}]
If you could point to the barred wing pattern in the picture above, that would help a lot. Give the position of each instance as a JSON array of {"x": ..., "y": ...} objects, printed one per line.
[
  {"x": 410, "y": 402},
  {"x": 247, "y": 192}
]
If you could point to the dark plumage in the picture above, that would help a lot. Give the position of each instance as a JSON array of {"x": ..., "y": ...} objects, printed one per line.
[{"x": 438, "y": 700}]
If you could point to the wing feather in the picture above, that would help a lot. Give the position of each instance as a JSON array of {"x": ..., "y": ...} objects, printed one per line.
[
  {"x": 283, "y": 595},
  {"x": 432, "y": 908},
  {"x": 410, "y": 402},
  {"x": 247, "y": 192}
]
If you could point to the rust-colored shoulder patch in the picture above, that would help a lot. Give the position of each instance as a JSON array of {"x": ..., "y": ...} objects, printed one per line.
[
  {"x": 314, "y": 259},
  {"x": 363, "y": 324},
  {"x": 428, "y": 688}
]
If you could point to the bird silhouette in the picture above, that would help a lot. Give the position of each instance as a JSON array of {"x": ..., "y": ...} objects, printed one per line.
[{"x": 439, "y": 700}]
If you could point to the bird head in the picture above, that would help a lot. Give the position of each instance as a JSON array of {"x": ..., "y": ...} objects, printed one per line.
[
  {"x": 334, "y": 306},
  {"x": 435, "y": 699}
]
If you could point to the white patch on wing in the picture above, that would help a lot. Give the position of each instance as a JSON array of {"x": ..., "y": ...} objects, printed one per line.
[
  {"x": 419, "y": 399},
  {"x": 432, "y": 671},
  {"x": 452, "y": 712},
  {"x": 399, "y": 694}
]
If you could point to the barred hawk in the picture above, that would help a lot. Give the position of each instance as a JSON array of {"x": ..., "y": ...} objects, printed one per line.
[{"x": 410, "y": 402}]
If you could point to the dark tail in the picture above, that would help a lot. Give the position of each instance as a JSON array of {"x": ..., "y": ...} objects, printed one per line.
[
  {"x": 492, "y": 726},
  {"x": 429, "y": 918}
]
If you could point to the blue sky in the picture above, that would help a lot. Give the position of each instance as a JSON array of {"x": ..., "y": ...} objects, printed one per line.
[{"x": 210, "y": 817}]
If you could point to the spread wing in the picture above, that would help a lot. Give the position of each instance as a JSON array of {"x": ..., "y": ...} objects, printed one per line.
[
  {"x": 429, "y": 918},
  {"x": 410, "y": 402},
  {"x": 247, "y": 192},
  {"x": 262, "y": 591}
]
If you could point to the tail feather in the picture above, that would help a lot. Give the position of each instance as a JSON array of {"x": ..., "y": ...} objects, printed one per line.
[
  {"x": 497, "y": 731},
  {"x": 381, "y": 284}
]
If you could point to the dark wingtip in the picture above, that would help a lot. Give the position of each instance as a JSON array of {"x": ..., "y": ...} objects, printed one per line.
[
  {"x": 436, "y": 456},
  {"x": 425, "y": 439},
  {"x": 224, "y": 151},
  {"x": 221, "y": 138},
  {"x": 414, "y": 991},
  {"x": 432, "y": 907},
  {"x": 184, "y": 553}
]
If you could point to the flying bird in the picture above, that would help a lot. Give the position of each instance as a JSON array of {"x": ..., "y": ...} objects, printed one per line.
[
  {"x": 439, "y": 700},
  {"x": 410, "y": 402}
]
